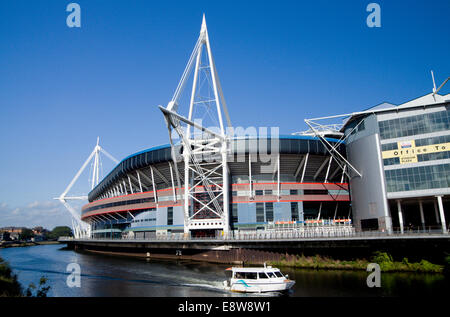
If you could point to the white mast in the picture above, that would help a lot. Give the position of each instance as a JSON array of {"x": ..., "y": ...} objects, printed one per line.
[
  {"x": 80, "y": 228},
  {"x": 206, "y": 198}
]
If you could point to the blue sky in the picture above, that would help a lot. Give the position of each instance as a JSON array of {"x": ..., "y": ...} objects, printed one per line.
[{"x": 278, "y": 61}]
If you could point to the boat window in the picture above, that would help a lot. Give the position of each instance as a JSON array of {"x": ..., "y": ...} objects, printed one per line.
[
  {"x": 262, "y": 275},
  {"x": 271, "y": 275},
  {"x": 278, "y": 274},
  {"x": 250, "y": 275},
  {"x": 238, "y": 275}
]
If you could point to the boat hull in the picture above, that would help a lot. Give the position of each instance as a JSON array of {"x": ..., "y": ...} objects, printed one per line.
[{"x": 242, "y": 286}]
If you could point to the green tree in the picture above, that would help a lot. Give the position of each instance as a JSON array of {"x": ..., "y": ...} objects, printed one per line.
[
  {"x": 26, "y": 234},
  {"x": 41, "y": 291},
  {"x": 60, "y": 231},
  {"x": 9, "y": 286}
]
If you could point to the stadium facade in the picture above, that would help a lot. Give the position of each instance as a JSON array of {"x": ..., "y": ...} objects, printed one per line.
[
  {"x": 299, "y": 185},
  {"x": 386, "y": 169},
  {"x": 403, "y": 153}
]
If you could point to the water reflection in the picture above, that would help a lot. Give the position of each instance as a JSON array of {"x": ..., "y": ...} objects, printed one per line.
[{"x": 103, "y": 275}]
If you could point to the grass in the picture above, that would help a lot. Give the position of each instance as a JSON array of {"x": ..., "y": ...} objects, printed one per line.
[{"x": 387, "y": 264}]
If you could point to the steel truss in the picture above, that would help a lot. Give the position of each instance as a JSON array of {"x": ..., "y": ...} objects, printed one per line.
[
  {"x": 320, "y": 131},
  {"x": 205, "y": 196},
  {"x": 80, "y": 228}
]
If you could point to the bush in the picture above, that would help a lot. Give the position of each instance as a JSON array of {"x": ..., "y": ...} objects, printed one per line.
[
  {"x": 59, "y": 232},
  {"x": 9, "y": 286}
]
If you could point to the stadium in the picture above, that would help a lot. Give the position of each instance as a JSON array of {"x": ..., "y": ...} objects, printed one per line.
[
  {"x": 300, "y": 185},
  {"x": 380, "y": 169}
]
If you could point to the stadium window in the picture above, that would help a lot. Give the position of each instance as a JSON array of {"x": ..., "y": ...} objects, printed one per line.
[
  {"x": 169, "y": 216},
  {"x": 294, "y": 211},
  {"x": 361, "y": 126},
  {"x": 259, "y": 212},
  {"x": 269, "y": 211},
  {"x": 234, "y": 213}
]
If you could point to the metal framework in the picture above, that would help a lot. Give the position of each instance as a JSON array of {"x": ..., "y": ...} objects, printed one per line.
[
  {"x": 80, "y": 228},
  {"x": 320, "y": 131},
  {"x": 205, "y": 151}
]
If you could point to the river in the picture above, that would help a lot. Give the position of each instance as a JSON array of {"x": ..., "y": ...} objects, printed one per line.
[{"x": 104, "y": 275}]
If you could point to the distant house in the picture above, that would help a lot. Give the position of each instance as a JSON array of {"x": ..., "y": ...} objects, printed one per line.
[
  {"x": 14, "y": 235},
  {"x": 5, "y": 236},
  {"x": 38, "y": 230},
  {"x": 12, "y": 229},
  {"x": 37, "y": 238}
]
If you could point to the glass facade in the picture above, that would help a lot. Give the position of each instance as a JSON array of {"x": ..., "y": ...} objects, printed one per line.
[
  {"x": 420, "y": 157},
  {"x": 259, "y": 212},
  {"x": 391, "y": 161},
  {"x": 294, "y": 211},
  {"x": 269, "y": 212},
  {"x": 414, "y": 125},
  {"x": 169, "y": 216},
  {"x": 418, "y": 178},
  {"x": 234, "y": 213}
]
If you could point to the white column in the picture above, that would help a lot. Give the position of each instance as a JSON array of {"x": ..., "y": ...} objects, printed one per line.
[
  {"x": 320, "y": 211},
  {"x": 125, "y": 187},
  {"x": 131, "y": 187},
  {"x": 422, "y": 218},
  {"x": 250, "y": 180},
  {"x": 328, "y": 170},
  {"x": 400, "y": 215},
  {"x": 436, "y": 212},
  {"x": 155, "y": 192},
  {"x": 335, "y": 211},
  {"x": 226, "y": 199},
  {"x": 304, "y": 168},
  {"x": 139, "y": 181},
  {"x": 186, "y": 191},
  {"x": 441, "y": 213},
  {"x": 173, "y": 184},
  {"x": 278, "y": 177}
]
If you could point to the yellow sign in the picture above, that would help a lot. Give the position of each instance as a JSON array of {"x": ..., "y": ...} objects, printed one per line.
[{"x": 407, "y": 151}]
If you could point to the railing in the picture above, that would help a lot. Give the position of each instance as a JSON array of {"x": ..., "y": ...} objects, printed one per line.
[{"x": 305, "y": 233}]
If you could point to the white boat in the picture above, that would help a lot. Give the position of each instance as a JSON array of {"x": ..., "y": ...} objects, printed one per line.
[{"x": 257, "y": 280}]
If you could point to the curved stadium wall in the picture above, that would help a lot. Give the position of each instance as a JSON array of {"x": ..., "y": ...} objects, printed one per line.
[{"x": 141, "y": 196}]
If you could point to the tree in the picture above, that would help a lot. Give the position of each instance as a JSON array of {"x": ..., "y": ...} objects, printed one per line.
[
  {"x": 60, "y": 231},
  {"x": 26, "y": 234},
  {"x": 41, "y": 291},
  {"x": 9, "y": 286}
]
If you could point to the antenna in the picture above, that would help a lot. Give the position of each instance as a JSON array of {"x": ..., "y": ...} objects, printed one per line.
[
  {"x": 435, "y": 91},
  {"x": 434, "y": 84}
]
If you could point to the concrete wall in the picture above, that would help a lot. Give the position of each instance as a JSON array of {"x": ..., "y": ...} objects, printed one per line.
[{"x": 368, "y": 192}]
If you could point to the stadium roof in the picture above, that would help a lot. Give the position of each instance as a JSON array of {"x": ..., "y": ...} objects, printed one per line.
[{"x": 288, "y": 144}]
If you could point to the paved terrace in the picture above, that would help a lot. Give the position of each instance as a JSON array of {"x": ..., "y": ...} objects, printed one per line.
[{"x": 289, "y": 239}]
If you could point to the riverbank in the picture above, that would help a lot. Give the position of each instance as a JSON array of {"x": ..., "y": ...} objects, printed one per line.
[
  {"x": 9, "y": 286},
  {"x": 12, "y": 244},
  {"x": 387, "y": 264},
  {"x": 123, "y": 276}
]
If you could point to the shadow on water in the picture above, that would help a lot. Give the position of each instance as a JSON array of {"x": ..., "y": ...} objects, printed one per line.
[{"x": 108, "y": 275}]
